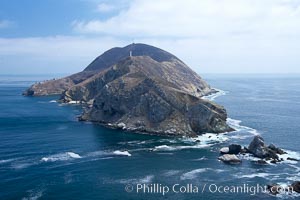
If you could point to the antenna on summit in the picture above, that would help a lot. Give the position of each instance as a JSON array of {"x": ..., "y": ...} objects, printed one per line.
[{"x": 130, "y": 52}]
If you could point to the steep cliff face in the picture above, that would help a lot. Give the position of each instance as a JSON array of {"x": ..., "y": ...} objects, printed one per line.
[
  {"x": 151, "y": 91},
  {"x": 143, "y": 95}
]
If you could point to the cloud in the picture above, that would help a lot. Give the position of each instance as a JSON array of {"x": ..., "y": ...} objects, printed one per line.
[
  {"x": 104, "y": 7},
  {"x": 193, "y": 18},
  {"x": 211, "y": 36},
  {"x": 65, "y": 54},
  {"x": 5, "y": 23},
  {"x": 58, "y": 54}
]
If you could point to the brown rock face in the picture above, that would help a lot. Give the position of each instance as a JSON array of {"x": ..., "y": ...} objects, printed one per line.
[
  {"x": 151, "y": 91},
  {"x": 57, "y": 86}
]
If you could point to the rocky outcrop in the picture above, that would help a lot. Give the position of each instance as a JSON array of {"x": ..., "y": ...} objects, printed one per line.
[
  {"x": 151, "y": 92},
  {"x": 275, "y": 189},
  {"x": 224, "y": 150},
  {"x": 231, "y": 149},
  {"x": 260, "y": 162},
  {"x": 275, "y": 149},
  {"x": 258, "y": 148},
  {"x": 146, "y": 96},
  {"x": 235, "y": 149},
  {"x": 296, "y": 186},
  {"x": 230, "y": 159},
  {"x": 293, "y": 159}
]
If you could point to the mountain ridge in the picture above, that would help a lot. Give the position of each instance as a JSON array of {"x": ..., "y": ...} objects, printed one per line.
[{"x": 149, "y": 91}]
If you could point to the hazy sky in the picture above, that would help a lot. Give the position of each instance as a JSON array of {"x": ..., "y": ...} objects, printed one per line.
[{"x": 211, "y": 36}]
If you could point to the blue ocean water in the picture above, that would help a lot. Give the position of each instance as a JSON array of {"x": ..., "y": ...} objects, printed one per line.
[{"x": 45, "y": 153}]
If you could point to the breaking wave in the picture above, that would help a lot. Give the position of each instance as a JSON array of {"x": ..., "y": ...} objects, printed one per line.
[
  {"x": 61, "y": 157},
  {"x": 236, "y": 124},
  {"x": 34, "y": 195},
  {"x": 122, "y": 153},
  {"x": 176, "y": 148},
  {"x": 290, "y": 154},
  {"x": 194, "y": 173},
  {"x": 213, "y": 96},
  {"x": 7, "y": 161},
  {"x": 147, "y": 179}
]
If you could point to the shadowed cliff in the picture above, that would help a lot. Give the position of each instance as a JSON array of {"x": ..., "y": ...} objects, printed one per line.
[{"x": 151, "y": 91}]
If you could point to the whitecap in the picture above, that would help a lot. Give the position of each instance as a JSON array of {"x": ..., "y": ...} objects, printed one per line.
[
  {"x": 106, "y": 158},
  {"x": 122, "y": 153},
  {"x": 52, "y": 101},
  {"x": 209, "y": 138},
  {"x": 289, "y": 154},
  {"x": 21, "y": 165},
  {"x": 248, "y": 156},
  {"x": 201, "y": 141},
  {"x": 164, "y": 148},
  {"x": 213, "y": 96},
  {"x": 176, "y": 148},
  {"x": 7, "y": 161},
  {"x": 74, "y": 102},
  {"x": 34, "y": 195},
  {"x": 145, "y": 180},
  {"x": 61, "y": 157},
  {"x": 171, "y": 172},
  {"x": 236, "y": 124},
  {"x": 194, "y": 173},
  {"x": 285, "y": 193},
  {"x": 254, "y": 175},
  {"x": 200, "y": 159}
]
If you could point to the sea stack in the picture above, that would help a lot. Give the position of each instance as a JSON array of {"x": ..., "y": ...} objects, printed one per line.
[{"x": 140, "y": 88}]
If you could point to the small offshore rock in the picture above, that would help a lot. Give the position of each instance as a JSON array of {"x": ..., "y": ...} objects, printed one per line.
[
  {"x": 296, "y": 186},
  {"x": 273, "y": 161},
  {"x": 121, "y": 125},
  {"x": 224, "y": 150},
  {"x": 235, "y": 149},
  {"x": 293, "y": 159},
  {"x": 276, "y": 149},
  {"x": 230, "y": 159},
  {"x": 274, "y": 189},
  {"x": 258, "y": 148},
  {"x": 261, "y": 162}
]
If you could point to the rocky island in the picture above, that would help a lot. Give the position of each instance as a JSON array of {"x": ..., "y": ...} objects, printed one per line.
[{"x": 143, "y": 89}]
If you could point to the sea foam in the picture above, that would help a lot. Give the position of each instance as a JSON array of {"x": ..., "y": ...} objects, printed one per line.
[
  {"x": 181, "y": 147},
  {"x": 194, "y": 173},
  {"x": 121, "y": 153},
  {"x": 61, "y": 157},
  {"x": 213, "y": 96}
]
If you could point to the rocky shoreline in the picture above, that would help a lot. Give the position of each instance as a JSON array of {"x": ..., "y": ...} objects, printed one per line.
[
  {"x": 142, "y": 89},
  {"x": 257, "y": 148},
  {"x": 267, "y": 154}
]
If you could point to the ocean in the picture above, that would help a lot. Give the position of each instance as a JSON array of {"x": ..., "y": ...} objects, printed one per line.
[{"x": 46, "y": 153}]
